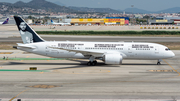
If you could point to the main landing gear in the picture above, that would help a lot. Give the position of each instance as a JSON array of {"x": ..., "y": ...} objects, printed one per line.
[
  {"x": 92, "y": 61},
  {"x": 159, "y": 62}
]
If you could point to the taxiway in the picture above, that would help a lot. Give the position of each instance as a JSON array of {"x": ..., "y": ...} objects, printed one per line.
[{"x": 72, "y": 79}]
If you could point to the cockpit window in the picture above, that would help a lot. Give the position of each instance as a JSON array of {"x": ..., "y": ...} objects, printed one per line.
[{"x": 167, "y": 49}]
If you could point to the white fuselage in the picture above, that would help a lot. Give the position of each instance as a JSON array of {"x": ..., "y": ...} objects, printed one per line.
[
  {"x": 128, "y": 50},
  {"x": 1, "y": 23}
]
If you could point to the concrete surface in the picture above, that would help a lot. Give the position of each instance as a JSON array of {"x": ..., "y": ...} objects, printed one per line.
[
  {"x": 63, "y": 80},
  {"x": 9, "y": 33},
  {"x": 72, "y": 79},
  {"x": 98, "y": 39},
  {"x": 96, "y": 27}
]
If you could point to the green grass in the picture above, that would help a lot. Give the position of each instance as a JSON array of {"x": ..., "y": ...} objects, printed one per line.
[{"x": 107, "y": 33}]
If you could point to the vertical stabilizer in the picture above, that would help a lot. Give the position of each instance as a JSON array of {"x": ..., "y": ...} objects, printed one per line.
[
  {"x": 6, "y": 22},
  {"x": 52, "y": 21},
  {"x": 28, "y": 35}
]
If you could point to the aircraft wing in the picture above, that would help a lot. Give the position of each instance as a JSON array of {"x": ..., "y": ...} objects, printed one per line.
[{"x": 84, "y": 52}]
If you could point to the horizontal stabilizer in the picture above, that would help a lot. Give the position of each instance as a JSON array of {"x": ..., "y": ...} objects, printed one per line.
[{"x": 25, "y": 46}]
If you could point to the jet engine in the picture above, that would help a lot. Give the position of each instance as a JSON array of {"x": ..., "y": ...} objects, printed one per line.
[{"x": 115, "y": 59}]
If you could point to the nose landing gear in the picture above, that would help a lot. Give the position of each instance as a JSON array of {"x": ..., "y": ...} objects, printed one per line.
[{"x": 159, "y": 62}]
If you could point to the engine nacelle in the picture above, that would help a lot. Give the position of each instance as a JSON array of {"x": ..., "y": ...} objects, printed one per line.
[{"x": 114, "y": 59}]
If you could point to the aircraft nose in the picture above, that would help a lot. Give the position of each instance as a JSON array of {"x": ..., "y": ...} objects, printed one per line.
[{"x": 172, "y": 54}]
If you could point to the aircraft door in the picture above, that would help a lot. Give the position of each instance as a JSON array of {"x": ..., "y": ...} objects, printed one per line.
[
  {"x": 47, "y": 50},
  {"x": 157, "y": 50},
  {"x": 130, "y": 52},
  {"x": 129, "y": 49}
]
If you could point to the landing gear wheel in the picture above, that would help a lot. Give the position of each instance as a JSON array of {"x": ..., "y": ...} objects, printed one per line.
[
  {"x": 158, "y": 63},
  {"x": 89, "y": 63},
  {"x": 93, "y": 63}
]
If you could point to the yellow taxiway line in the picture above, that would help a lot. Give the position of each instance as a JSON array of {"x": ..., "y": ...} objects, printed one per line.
[{"x": 172, "y": 67}]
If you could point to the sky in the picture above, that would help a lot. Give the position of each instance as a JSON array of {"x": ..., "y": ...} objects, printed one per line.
[{"x": 150, "y": 5}]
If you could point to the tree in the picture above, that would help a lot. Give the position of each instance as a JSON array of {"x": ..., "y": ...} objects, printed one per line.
[
  {"x": 30, "y": 17},
  {"x": 147, "y": 17}
]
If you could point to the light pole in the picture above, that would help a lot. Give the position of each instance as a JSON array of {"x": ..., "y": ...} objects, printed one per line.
[
  {"x": 132, "y": 8},
  {"x": 132, "y": 13}
]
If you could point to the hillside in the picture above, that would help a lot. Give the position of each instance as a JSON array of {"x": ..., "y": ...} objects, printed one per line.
[
  {"x": 57, "y": 6},
  {"x": 42, "y": 4},
  {"x": 136, "y": 10},
  {"x": 170, "y": 10},
  {"x": 99, "y": 10}
]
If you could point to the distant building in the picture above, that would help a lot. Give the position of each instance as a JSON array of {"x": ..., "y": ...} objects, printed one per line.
[
  {"x": 161, "y": 22},
  {"x": 29, "y": 21},
  {"x": 138, "y": 16},
  {"x": 87, "y": 21},
  {"x": 167, "y": 18},
  {"x": 177, "y": 21},
  {"x": 117, "y": 20},
  {"x": 101, "y": 21}
]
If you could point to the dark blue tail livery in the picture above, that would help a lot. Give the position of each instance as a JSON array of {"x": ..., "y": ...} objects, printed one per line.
[
  {"x": 52, "y": 21},
  {"x": 6, "y": 22}
]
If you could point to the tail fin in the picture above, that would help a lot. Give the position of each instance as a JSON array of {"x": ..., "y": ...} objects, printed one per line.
[
  {"x": 28, "y": 35},
  {"x": 6, "y": 22},
  {"x": 52, "y": 21}
]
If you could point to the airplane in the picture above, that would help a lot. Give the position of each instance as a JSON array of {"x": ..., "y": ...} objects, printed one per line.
[
  {"x": 111, "y": 53},
  {"x": 62, "y": 24},
  {"x": 110, "y": 23},
  {"x": 5, "y": 22}
]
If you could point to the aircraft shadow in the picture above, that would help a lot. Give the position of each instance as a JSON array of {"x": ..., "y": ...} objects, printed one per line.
[
  {"x": 80, "y": 63},
  {"x": 19, "y": 63},
  {"x": 83, "y": 63},
  {"x": 140, "y": 64}
]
